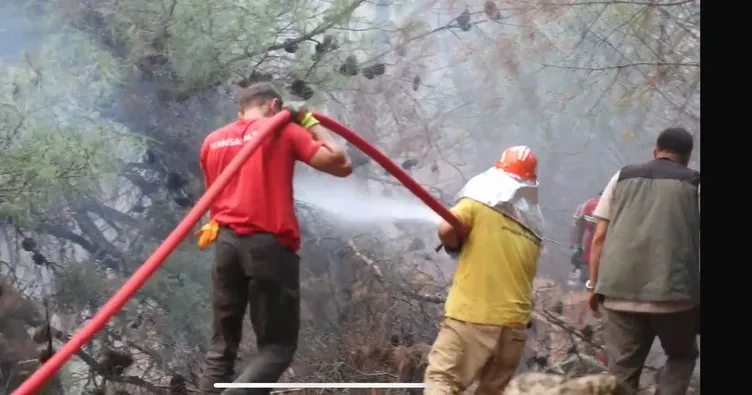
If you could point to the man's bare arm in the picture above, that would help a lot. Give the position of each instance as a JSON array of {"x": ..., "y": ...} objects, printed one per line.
[
  {"x": 603, "y": 213},
  {"x": 599, "y": 237},
  {"x": 448, "y": 235},
  {"x": 330, "y": 158}
]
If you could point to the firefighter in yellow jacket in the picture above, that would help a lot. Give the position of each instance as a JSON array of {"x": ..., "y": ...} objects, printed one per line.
[{"x": 490, "y": 302}]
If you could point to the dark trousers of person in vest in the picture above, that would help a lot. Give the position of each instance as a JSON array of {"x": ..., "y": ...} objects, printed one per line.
[
  {"x": 629, "y": 337},
  {"x": 259, "y": 273}
]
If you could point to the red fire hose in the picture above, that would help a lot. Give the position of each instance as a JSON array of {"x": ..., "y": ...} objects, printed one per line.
[{"x": 139, "y": 278}]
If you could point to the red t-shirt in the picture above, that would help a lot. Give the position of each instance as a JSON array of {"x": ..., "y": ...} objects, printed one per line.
[
  {"x": 589, "y": 227},
  {"x": 260, "y": 198}
]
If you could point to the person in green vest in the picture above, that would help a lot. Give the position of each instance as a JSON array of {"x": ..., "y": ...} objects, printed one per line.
[{"x": 644, "y": 266}]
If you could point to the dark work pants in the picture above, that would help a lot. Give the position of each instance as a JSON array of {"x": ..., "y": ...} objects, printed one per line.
[
  {"x": 259, "y": 273},
  {"x": 629, "y": 337}
]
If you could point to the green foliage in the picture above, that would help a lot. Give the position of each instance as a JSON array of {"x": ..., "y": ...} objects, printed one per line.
[
  {"x": 79, "y": 287},
  {"x": 53, "y": 140},
  {"x": 222, "y": 41}
]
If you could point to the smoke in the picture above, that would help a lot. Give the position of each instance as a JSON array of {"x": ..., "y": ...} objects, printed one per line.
[
  {"x": 350, "y": 202},
  {"x": 17, "y": 34}
]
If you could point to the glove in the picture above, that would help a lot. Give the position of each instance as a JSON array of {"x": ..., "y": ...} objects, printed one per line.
[
  {"x": 302, "y": 116},
  {"x": 208, "y": 234},
  {"x": 452, "y": 252}
]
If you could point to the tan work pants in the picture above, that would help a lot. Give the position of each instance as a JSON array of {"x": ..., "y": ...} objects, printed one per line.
[{"x": 464, "y": 352}]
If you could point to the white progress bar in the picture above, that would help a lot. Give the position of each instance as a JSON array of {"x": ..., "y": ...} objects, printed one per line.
[{"x": 320, "y": 385}]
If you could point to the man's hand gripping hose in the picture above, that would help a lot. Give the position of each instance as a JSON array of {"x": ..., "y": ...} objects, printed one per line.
[
  {"x": 302, "y": 116},
  {"x": 139, "y": 278}
]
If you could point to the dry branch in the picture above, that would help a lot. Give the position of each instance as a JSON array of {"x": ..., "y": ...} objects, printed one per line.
[
  {"x": 368, "y": 261},
  {"x": 104, "y": 371}
]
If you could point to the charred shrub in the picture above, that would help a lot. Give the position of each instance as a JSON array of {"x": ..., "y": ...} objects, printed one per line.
[
  {"x": 350, "y": 66},
  {"x": 41, "y": 335},
  {"x": 491, "y": 11},
  {"x": 463, "y": 21},
  {"x": 114, "y": 362},
  {"x": 374, "y": 70},
  {"x": 291, "y": 46},
  {"x": 28, "y": 244},
  {"x": 39, "y": 259},
  {"x": 368, "y": 73},
  {"x": 301, "y": 89},
  {"x": 378, "y": 69},
  {"x": 44, "y": 354},
  {"x": 327, "y": 44},
  {"x": 177, "y": 385}
]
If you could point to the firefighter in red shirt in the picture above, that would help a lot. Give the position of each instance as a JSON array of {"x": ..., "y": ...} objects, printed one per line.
[
  {"x": 583, "y": 227},
  {"x": 257, "y": 236}
]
